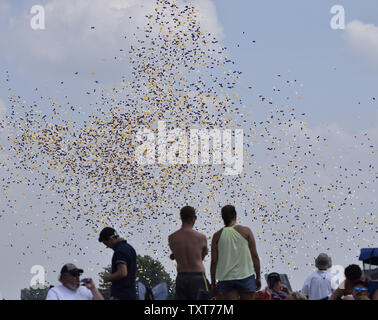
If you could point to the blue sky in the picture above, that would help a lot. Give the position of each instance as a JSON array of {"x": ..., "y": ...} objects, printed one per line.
[
  {"x": 296, "y": 35},
  {"x": 290, "y": 35},
  {"x": 336, "y": 73}
]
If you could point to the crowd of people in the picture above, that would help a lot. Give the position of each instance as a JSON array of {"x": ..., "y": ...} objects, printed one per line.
[{"x": 234, "y": 270}]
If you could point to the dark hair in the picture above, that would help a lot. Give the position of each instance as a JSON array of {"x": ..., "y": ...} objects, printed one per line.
[
  {"x": 187, "y": 213},
  {"x": 228, "y": 214},
  {"x": 106, "y": 233},
  {"x": 353, "y": 272},
  {"x": 362, "y": 283}
]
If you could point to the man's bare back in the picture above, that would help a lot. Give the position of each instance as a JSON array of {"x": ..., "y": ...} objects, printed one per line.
[{"x": 189, "y": 248}]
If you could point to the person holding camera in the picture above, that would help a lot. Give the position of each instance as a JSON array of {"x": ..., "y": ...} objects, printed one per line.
[
  {"x": 275, "y": 290},
  {"x": 70, "y": 289}
]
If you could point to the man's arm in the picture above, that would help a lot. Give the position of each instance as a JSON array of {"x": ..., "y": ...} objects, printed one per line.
[
  {"x": 214, "y": 258},
  {"x": 172, "y": 256},
  {"x": 255, "y": 258},
  {"x": 205, "y": 249},
  {"x": 118, "y": 275},
  {"x": 95, "y": 293},
  {"x": 337, "y": 294},
  {"x": 305, "y": 289}
]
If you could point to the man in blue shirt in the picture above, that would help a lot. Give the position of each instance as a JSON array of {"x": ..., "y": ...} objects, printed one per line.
[{"x": 123, "y": 266}]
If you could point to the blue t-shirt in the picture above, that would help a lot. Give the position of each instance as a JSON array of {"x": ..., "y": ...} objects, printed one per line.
[{"x": 124, "y": 289}]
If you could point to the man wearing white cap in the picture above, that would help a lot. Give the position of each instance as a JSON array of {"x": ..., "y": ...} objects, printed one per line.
[
  {"x": 318, "y": 285},
  {"x": 70, "y": 289}
]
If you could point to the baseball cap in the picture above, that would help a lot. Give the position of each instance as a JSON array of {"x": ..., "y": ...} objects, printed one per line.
[
  {"x": 70, "y": 268},
  {"x": 106, "y": 233},
  {"x": 274, "y": 276}
]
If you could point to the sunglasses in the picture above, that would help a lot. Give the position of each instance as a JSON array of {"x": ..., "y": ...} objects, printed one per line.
[
  {"x": 360, "y": 289},
  {"x": 75, "y": 274}
]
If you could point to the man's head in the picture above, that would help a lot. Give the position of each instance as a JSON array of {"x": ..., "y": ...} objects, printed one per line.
[
  {"x": 70, "y": 276},
  {"x": 323, "y": 262},
  {"x": 360, "y": 291},
  {"x": 109, "y": 237},
  {"x": 228, "y": 214},
  {"x": 188, "y": 215},
  {"x": 273, "y": 279},
  {"x": 353, "y": 272}
]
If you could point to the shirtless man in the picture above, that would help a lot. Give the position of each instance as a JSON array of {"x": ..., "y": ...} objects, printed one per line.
[
  {"x": 189, "y": 248},
  {"x": 234, "y": 260}
]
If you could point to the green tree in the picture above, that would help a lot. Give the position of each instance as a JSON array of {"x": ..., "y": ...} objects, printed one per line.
[
  {"x": 34, "y": 293},
  {"x": 104, "y": 288},
  {"x": 149, "y": 271}
]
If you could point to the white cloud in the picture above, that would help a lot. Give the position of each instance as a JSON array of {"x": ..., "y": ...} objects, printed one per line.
[
  {"x": 363, "y": 38},
  {"x": 208, "y": 17},
  {"x": 69, "y": 37}
]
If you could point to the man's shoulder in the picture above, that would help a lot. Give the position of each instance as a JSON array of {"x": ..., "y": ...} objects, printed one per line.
[
  {"x": 125, "y": 247},
  {"x": 183, "y": 234},
  {"x": 199, "y": 234},
  {"x": 54, "y": 293},
  {"x": 56, "y": 288},
  {"x": 246, "y": 232},
  {"x": 217, "y": 234},
  {"x": 311, "y": 276},
  {"x": 319, "y": 274},
  {"x": 174, "y": 234},
  {"x": 124, "y": 244},
  {"x": 243, "y": 228}
]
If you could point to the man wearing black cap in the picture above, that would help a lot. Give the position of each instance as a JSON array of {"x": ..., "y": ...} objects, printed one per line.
[
  {"x": 123, "y": 266},
  {"x": 70, "y": 289}
]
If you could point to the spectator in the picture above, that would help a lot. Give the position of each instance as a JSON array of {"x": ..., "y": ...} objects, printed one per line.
[
  {"x": 234, "y": 260},
  {"x": 275, "y": 290},
  {"x": 360, "y": 291},
  {"x": 123, "y": 266},
  {"x": 317, "y": 286},
  {"x": 353, "y": 274},
  {"x": 70, "y": 289},
  {"x": 189, "y": 248}
]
